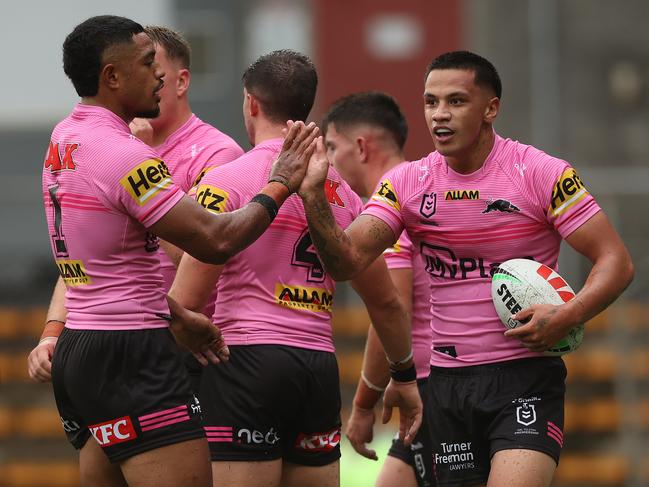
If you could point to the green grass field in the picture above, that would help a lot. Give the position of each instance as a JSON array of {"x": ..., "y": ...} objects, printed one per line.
[{"x": 357, "y": 471}]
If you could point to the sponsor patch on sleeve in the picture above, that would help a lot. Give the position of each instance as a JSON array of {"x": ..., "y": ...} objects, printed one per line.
[
  {"x": 146, "y": 180},
  {"x": 211, "y": 198},
  {"x": 386, "y": 194},
  {"x": 202, "y": 174},
  {"x": 395, "y": 249},
  {"x": 73, "y": 272},
  {"x": 567, "y": 192}
]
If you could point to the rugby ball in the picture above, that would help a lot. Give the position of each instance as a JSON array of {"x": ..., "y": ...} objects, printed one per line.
[{"x": 520, "y": 283}]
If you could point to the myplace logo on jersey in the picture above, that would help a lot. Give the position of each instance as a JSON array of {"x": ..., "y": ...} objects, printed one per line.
[
  {"x": 212, "y": 198},
  {"x": 443, "y": 262},
  {"x": 324, "y": 442},
  {"x": 386, "y": 194},
  {"x": 113, "y": 432},
  {"x": 73, "y": 272},
  {"x": 567, "y": 192},
  {"x": 307, "y": 298},
  {"x": 146, "y": 180},
  {"x": 462, "y": 194}
]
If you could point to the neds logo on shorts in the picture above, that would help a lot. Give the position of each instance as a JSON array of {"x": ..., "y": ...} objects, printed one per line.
[
  {"x": 567, "y": 192},
  {"x": 113, "y": 432},
  {"x": 212, "y": 198},
  {"x": 146, "y": 180}
]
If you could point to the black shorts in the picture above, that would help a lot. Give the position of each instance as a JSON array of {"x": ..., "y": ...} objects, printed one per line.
[
  {"x": 475, "y": 411},
  {"x": 127, "y": 388},
  {"x": 419, "y": 455},
  {"x": 273, "y": 401}
]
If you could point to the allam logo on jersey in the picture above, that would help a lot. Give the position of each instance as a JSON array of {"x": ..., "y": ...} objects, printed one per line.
[
  {"x": 114, "y": 431},
  {"x": 147, "y": 179},
  {"x": 462, "y": 194},
  {"x": 53, "y": 160},
  {"x": 386, "y": 194},
  {"x": 212, "y": 198},
  {"x": 73, "y": 272},
  {"x": 307, "y": 298},
  {"x": 567, "y": 192}
]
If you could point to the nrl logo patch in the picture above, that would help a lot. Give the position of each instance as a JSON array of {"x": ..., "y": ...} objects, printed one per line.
[
  {"x": 526, "y": 414},
  {"x": 428, "y": 205}
]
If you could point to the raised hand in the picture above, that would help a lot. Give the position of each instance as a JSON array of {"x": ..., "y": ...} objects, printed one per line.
[
  {"x": 196, "y": 332},
  {"x": 316, "y": 173},
  {"x": 291, "y": 164},
  {"x": 142, "y": 129}
]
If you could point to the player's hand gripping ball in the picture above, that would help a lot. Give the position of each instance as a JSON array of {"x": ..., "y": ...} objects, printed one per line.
[{"x": 520, "y": 283}]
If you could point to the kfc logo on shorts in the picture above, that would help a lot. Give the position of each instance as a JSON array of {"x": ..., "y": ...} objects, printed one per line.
[
  {"x": 526, "y": 414},
  {"x": 114, "y": 431},
  {"x": 324, "y": 442}
]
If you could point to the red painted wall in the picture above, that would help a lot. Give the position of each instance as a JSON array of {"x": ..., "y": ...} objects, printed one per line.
[{"x": 346, "y": 64}]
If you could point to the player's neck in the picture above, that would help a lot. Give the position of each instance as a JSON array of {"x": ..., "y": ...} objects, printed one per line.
[
  {"x": 266, "y": 130},
  {"x": 474, "y": 157},
  {"x": 99, "y": 101},
  {"x": 383, "y": 164},
  {"x": 162, "y": 132}
]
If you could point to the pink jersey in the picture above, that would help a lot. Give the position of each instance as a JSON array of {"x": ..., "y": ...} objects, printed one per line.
[
  {"x": 403, "y": 255},
  {"x": 275, "y": 291},
  {"x": 190, "y": 152},
  {"x": 521, "y": 203},
  {"x": 102, "y": 189}
]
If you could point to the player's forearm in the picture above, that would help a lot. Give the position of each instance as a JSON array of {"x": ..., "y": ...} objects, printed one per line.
[
  {"x": 335, "y": 248},
  {"x": 375, "y": 365},
  {"x": 56, "y": 312},
  {"x": 609, "y": 277},
  {"x": 229, "y": 233}
]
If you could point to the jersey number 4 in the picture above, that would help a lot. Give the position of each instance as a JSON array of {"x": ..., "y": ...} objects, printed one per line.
[{"x": 304, "y": 255}]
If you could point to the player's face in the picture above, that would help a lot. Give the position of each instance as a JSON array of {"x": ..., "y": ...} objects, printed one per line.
[
  {"x": 142, "y": 78},
  {"x": 344, "y": 154},
  {"x": 456, "y": 110},
  {"x": 169, "y": 92}
]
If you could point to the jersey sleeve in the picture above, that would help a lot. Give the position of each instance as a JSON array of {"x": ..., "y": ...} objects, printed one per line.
[
  {"x": 386, "y": 202},
  {"x": 218, "y": 191},
  {"x": 133, "y": 180},
  {"x": 399, "y": 256},
  {"x": 560, "y": 192}
]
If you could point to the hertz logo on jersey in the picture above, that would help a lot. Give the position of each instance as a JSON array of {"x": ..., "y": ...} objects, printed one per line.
[
  {"x": 202, "y": 174},
  {"x": 73, "y": 272},
  {"x": 307, "y": 298},
  {"x": 567, "y": 192},
  {"x": 462, "y": 194},
  {"x": 212, "y": 198},
  {"x": 387, "y": 194},
  {"x": 146, "y": 180}
]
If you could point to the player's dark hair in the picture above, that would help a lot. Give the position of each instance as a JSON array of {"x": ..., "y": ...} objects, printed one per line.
[
  {"x": 84, "y": 48},
  {"x": 372, "y": 108},
  {"x": 173, "y": 42},
  {"x": 485, "y": 72},
  {"x": 284, "y": 82}
]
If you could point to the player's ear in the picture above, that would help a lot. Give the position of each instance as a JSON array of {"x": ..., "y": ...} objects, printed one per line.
[
  {"x": 362, "y": 148},
  {"x": 109, "y": 76},
  {"x": 491, "y": 110},
  {"x": 253, "y": 105},
  {"x": 184, "y": 77}
]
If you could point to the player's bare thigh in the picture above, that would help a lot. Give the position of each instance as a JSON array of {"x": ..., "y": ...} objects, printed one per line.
[
  {"x": 96, "y": 470},
  {"x": 521, "y": 468},
  {"x": 247, "y": 474},
  {"x": 186, "y": 463},
  {"x": 396, "y": 472},
  {"x": 294, "y": 475}
]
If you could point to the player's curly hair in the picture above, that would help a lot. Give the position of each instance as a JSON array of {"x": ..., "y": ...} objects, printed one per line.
[
  {"x": 284, "y": 82},
  {"x": 84, "y": 48}
]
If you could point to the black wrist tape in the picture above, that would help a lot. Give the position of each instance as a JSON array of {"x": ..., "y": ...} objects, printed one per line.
[
  {"x": 406, "y": 375},
  {"x": 268, "y": 203}
]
